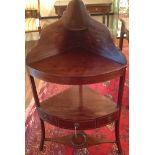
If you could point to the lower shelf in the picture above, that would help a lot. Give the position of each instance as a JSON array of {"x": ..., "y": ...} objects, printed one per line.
[
  {"x": 90, "y": 141},
  {"x": 79, "y": 105}
]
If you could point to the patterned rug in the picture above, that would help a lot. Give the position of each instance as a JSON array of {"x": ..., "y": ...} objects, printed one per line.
[{"x": 108, "y": 88}]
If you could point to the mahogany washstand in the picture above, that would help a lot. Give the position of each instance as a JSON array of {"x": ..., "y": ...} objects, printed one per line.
[{"x": 77, "y": 50}]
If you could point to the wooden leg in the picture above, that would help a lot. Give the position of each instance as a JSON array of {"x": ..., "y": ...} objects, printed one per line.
[
  {"x": 119, "y": 104},
  {"x": 127, "y": 33},
  {"x": 121, "y": 36},
  {"x": 59, "y": 16},
  {"x": 39, "y": 29},
  {"x": 121, "y": 41},
  {"x": 35, "y": 95},
  {"x": 108, "y": 20},
  {"x": 117, "y": 137},
  {"x": 103, "y": 19},
  {"x": 42, "y": 135}
]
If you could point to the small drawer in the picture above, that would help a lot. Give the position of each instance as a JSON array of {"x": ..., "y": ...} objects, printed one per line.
[
  {"x": 98, "y": 9},
  {"x": 82, "y": 125}
]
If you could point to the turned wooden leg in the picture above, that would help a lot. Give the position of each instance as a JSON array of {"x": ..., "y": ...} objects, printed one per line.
[
  {"x": 118, "y": 138},
  {"x": 42, "y": 135}
]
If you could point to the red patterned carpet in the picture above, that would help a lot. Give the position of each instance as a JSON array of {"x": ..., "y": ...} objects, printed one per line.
[{"x": 110, "y": 89}]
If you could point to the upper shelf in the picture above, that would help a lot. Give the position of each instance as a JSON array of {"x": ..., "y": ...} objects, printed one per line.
[
  {"x": 77, "y": 67},
  {"x": 75, "y": 50}
]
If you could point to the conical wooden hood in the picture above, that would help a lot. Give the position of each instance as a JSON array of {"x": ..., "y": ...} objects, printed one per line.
[{"x": 75, "y": 42}]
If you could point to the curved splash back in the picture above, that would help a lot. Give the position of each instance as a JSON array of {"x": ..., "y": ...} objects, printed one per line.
[{"x": 75, "y": 30}]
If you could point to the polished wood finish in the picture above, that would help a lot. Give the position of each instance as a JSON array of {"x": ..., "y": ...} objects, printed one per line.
[
  {"x": 74, "y": 68},
  {"x": 69, "y": 53},
  {"x": 50, "y": 111},
  {"x": 90, "y": 110},
  {"x": 71, "y": 50}
]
